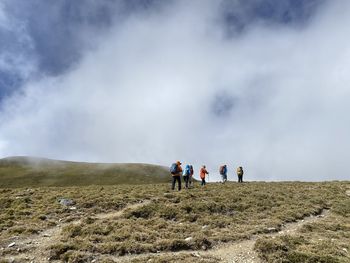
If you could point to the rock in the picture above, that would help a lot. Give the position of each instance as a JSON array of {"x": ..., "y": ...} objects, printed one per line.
[
  {"x": 46, "y": 235},
  {"x": 204, "y": 247},
  {"x": 188, "y": 239},
  {"x": 73, "y": 208},
  {"x": 66, "y": 202},
  {"x": 196, "y": 254},
  {"x": 344, "y": 249},
  {"x": 12, "y": 244},
  {"x": 347, "y": 192},
  {"x": 204, "y": 227},
  {"x": 271, "y": 230}
]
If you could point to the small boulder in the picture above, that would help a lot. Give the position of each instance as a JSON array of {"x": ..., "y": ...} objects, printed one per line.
[
  {"x": 271, "y": 230},
  {"x": 188, "y": 239},
  {"x": 12, "y": 244},
  {"x": 196, "y": 254},
  {"x": 66, "y": 202}
]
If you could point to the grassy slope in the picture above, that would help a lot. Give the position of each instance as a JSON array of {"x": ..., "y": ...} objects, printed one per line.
[
  {"x": 25, "y": 172},
  {"x": 210, "y": 215}
]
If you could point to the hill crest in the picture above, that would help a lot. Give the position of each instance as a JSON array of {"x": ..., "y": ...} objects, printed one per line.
[{"x": 25, "y": 171}]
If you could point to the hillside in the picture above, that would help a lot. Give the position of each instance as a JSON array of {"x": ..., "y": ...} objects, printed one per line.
[
  {"x": 28, "y": 172},
  {"x": 261, "y": 222}
]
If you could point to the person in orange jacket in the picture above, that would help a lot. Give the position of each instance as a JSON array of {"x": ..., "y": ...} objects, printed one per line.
[{"x": 202, "y": 174}]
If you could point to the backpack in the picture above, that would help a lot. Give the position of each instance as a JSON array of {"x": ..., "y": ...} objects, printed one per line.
[
  {"x": 191, "y": 170},
  {"x": 187, "y": 171},
  {"x": 222, "y": 170},
  {"x": 173, "y": 168}
]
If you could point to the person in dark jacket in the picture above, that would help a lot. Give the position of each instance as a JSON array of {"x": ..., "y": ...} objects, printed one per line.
[
  {"x": 177, "y": 176},
  {"x": 223, "y": 172},
  {"x": 240, "y": 174}
]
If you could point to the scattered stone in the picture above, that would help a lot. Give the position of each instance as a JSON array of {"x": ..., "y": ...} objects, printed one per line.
[
  {"x": 188, "y": 239},
  {"x": 94, "y": 260},
  {"x": 66, "y": 202},
  {"x": 196, "y": 254},
  {"x": 347, "y": 192},
  {"x": 46, "y": 235},
  {"x": 344, "y": 249},
  {"x": 204, "y": 247},
  {"x": 204, "y": 227},
  {"x": 12, "y": 244},
  {"x": 271, "y": 230},
  {"x": 73, "y": 208}
]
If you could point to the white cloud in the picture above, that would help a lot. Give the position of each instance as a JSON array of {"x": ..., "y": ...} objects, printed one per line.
[{"x": 146, "y": 95}]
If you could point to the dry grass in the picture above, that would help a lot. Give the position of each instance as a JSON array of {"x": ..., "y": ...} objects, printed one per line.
[
  {"x": 327, "y": 240},
  {"x": 211, "y": 215}
]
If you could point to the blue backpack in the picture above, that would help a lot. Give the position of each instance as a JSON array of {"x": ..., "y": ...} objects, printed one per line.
[
  {"x": 173, "y": 168},
  {"x": 187, "y": 171}
]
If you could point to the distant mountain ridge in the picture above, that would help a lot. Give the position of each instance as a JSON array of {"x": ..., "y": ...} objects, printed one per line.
[{"x": 26, "y": 171}]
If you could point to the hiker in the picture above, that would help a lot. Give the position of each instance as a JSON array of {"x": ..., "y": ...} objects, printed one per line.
[
  {"x": 191, "y": 176},
  {"x": 240, "y": 174},
  {"x": 176, "y": 171},
  {"x": 202, "y": 174},
  {"x": 186, "y": 175},
  {"x": 223, "y": 172}
]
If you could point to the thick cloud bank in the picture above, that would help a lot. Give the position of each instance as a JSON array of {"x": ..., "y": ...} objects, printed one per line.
[{"x": 172, "y": 84}]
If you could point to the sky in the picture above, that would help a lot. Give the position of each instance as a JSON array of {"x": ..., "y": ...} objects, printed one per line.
[{"x": 260, "y": 84}]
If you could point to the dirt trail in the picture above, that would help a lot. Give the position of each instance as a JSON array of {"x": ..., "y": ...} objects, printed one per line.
[
  {"x": 35, "y": 248},
  {"x": 236, "y": 252},
  {"x": 243, "y": 251}
]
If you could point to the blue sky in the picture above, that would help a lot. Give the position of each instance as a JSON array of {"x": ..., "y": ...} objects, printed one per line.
[{"x": 254, "y": 83}]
